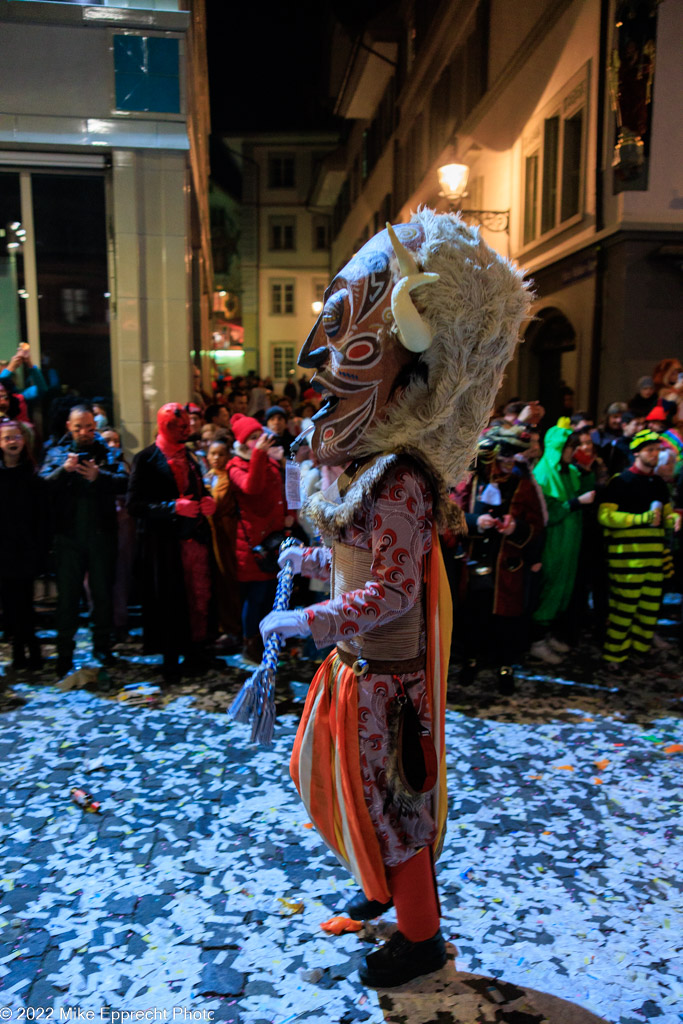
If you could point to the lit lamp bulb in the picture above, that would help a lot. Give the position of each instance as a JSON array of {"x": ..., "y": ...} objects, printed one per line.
[
  {"x": 317, "y": 307},
  {"x": 453, "y": 180}
]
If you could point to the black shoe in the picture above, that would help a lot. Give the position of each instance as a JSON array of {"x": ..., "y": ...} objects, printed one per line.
[
  {"x": 364, "y": 910},
  {"x": 399, "y": 960},
  {"x": 64, "y": 666},
  {"x": 170, "y": 669},
  {"x": 506, "y": 680}
]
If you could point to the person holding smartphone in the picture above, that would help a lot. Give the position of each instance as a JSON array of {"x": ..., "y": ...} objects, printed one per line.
[{"x": 85, "y": 476}]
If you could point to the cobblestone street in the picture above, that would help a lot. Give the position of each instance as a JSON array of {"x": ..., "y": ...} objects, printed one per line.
[{"x": 199, "y": 885}]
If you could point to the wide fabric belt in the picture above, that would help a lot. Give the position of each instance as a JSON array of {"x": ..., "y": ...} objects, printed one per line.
[
  {"x": 396, "y": 642},
  {"x": 362, "y": 666}
]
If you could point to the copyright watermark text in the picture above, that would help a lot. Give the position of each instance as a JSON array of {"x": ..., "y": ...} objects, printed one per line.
[{"x": 105, "y": 1015}]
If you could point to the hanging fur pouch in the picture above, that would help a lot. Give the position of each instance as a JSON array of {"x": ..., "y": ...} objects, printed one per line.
[{"x": 416, "y": 755}]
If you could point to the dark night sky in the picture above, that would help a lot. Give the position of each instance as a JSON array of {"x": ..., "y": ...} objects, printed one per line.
[
  {"x": 268, "y": 61},
  {"x": 267, "y": 64}
]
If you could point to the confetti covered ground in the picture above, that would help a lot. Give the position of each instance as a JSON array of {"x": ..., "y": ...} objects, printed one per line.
[{"x": 199, "y": 887}]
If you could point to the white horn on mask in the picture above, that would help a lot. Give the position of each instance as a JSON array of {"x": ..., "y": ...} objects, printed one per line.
[{"x": 414, "y": 333}]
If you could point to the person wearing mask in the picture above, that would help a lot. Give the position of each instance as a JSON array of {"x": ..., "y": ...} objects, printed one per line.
[
  {"x": 254, "y": 474},
  {"x": 167, "y": 496},
  {"x": 389, "y": 616},
  {"x": 560, "y": 482},
  {"x": 84, "y": 477},
  {"x": 99, "y": 411},
  {"x": 635, "y": 511},
  {"x": 23, "y": 553}
]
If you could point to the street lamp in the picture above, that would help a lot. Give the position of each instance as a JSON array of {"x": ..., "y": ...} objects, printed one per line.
[{"x": 453, "y": 181}]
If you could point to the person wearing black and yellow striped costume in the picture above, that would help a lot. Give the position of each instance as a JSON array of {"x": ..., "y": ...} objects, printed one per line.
[{"x": 634, "y": 512}]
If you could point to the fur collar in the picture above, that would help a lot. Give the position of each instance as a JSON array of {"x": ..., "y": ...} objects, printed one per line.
[
  {"x": 332, "y": 511},
  {"x": 241, "y": 449}
]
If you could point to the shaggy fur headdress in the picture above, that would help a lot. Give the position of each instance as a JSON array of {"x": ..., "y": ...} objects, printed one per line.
[{"x": 475, "y": 310}]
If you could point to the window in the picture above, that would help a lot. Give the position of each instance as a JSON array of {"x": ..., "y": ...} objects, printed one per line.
[
  {"x": 75, "y": 305},
  {"x": 281, "y": 171},
  {"x": 283, "y": 359},
  {"x": 147, "y": 73},
  {"x": 553, "y": 162},
  {"x": 571, "y": 166},
  {"x": 530, "y": 197},
  {"x": 551, "y": 145},
  {"x": 282, "y": 233},
  {"x": 319, "y": 286},
  {"x": 320, "y": 233},
  {"x": 281, "y": 298}
]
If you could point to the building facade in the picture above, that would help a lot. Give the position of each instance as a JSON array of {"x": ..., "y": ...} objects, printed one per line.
[
  {"x": 284, "y": 247},
  {"x": 565, "y": 114},
  {"x": 104, "y": 126}
]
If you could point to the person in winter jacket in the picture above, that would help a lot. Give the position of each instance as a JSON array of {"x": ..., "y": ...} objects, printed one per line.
[
  {"x": 560, "y": 482},
  {"x": 24, "y": 531},
  {"x": 84, "y": 475},
  {"x": 167, "y": 496},
  {"x": 504, "y": 519},
  {"x": 254, "y": 473}
]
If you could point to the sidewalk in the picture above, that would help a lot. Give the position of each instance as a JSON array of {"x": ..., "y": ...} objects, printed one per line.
[{"x": 201, "y": 887}]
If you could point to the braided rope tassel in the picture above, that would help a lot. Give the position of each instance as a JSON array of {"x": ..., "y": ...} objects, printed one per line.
[{"x": 255, "y": 702}]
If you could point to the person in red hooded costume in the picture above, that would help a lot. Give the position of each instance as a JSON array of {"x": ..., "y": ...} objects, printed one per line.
[
  {"x": 255, "y": 475},
  {"x": 167, "y": 496}
]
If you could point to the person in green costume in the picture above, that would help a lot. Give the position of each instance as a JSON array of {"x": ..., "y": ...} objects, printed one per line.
[{"x": 563, "y": 490}]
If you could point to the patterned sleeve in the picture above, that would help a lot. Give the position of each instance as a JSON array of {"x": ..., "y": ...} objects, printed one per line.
[
  {"x": 400, "y": 536},
  {"x": 316, "y": 563}
]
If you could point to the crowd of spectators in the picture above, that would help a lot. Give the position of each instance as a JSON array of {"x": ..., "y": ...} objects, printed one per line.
[
  {"x": 568, "y": 529},
  {"x": 571, "y": 530}
]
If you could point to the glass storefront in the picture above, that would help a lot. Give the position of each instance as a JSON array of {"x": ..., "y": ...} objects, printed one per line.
[
  {"x": 12, "y": 285},
  {"x": 64, "y": 251}
]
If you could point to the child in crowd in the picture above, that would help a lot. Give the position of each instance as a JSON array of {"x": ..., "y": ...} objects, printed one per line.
[{"x": 224, "y": 531}]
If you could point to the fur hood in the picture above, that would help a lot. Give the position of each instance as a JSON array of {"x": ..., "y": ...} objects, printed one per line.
[
  {"x": 241, "y": 450},
  {"x": 476, "y": 310}
]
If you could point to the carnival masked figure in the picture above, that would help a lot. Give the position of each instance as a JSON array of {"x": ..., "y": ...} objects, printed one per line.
[
  {"x": 166, "y": 494},
  {"x": 407, "y": 354}
]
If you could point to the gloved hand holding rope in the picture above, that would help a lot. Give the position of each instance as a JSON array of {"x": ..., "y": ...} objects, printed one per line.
[{"x": 255, "y": 702}]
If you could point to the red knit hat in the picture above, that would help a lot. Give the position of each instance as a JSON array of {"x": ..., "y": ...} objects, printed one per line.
[
  {"x": 658, "y": 413},
  {"x": 242, "y": 426}
]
